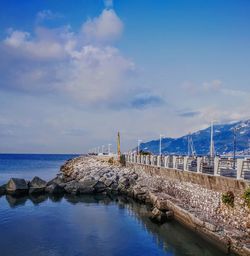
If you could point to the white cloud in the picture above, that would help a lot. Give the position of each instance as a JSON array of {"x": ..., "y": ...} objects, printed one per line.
[
  {"x": 105, "y": 28},
  {"x": 60, "y": 60}
]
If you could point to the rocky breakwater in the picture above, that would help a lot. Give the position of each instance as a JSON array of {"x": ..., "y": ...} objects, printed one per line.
[
  {"x": 87, "y": 175},
  {"x": 189, "y": 203},
  {"x": 197, "y": 207}
]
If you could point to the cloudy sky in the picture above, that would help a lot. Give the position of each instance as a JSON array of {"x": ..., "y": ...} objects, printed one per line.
[{"x": 73, "y": 73}]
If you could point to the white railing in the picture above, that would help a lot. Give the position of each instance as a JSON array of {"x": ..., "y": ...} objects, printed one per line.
[{"x": 228, "y": 167}]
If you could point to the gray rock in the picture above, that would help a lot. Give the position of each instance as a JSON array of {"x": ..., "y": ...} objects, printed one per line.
[
  {"x": 58, "y": 180},
  {"x": 71, "y": 187},
  {"x": 54, "y": 189},
  {"x": 37, "y": 186},
  {"x": 17, "y": 186},
  {"x": 86, "y": 185},
  {"x": 3, "y": 190}
]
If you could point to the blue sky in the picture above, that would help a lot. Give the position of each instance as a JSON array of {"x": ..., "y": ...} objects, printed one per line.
[{"x": 73, "y": 73}]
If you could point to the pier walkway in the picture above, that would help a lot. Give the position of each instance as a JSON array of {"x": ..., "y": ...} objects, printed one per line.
[{"x": 217, "y": 166}]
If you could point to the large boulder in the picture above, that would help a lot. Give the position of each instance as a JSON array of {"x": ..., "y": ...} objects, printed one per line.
[
  {"x": 3, "y": 190},
  {"x": 17, "y": 186},
  {"x": 71, "y": 187},
  {"x": 37, "y": 186},
  {"x": 87, "y": 185}
]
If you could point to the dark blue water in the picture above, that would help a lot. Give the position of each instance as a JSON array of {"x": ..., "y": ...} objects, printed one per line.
[
  {"x": 84, "y": 225},
  {"x": 29, "y": 165}
]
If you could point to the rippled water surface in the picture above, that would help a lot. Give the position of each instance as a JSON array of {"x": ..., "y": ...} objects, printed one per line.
[{"x": 86, "y": 225}]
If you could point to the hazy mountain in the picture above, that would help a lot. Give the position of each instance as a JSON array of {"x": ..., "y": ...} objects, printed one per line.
[{"x": 223, "y": 139}]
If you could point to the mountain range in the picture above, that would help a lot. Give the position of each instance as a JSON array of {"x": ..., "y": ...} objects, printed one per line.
[{"x": 223, "y": 141}]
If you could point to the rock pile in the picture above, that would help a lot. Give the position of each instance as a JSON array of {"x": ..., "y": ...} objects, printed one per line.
[{"x": 198, "y": 206}]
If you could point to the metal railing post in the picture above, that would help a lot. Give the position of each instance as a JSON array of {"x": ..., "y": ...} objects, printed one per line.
[
  {"x": 158, "y": 161},
  {"x": 199, "y": 162},
  {"x": 185, "y": 163},
  {"x": 216, "y": 166},
  {"x": 239, "y": 167},
  {"x": 174, "y": 162}
]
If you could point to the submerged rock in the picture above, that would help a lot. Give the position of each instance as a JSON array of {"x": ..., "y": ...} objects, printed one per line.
[
  {"x": 17, "y": 186},
  {"x": 37, "y": 186}
]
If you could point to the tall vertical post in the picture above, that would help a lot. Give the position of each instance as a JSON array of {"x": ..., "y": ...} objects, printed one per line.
[
  {"x": 118, "y": 145},
  {"x": 160, "y": 145},
  {"x": 212, "y": 149},
  {"x": 234, "y": 161}
]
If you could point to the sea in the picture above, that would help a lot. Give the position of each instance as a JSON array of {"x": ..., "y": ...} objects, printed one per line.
[{"x": 83, "y": 225}]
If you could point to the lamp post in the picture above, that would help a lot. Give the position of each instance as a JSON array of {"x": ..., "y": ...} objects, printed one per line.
[
  {"x": 103, "y": 149},
  {"x": 234, "y": 146},
  {"x": 212, "y": 149}
]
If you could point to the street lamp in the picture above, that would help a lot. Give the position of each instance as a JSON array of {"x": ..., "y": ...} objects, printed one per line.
[{"x": 235, "y": 138}]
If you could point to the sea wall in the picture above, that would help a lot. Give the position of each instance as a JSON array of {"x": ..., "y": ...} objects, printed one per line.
[
  {"x": 215, "y": 183},
  {"x": 198, "y": 204}
]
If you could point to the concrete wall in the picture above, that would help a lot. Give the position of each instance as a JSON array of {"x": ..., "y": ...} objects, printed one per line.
[{"x": 216, "y": 183}]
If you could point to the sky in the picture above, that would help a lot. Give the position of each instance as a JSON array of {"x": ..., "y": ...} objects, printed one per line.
[{"x": 74, "y": 73}]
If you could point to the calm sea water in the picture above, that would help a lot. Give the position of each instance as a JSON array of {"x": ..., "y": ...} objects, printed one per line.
[
  {"x": 29, "y": 165},
  {"x": 84, "y": 225}
]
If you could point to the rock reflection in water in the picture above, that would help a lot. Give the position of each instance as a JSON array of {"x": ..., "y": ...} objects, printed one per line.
[{"x": 170, "y": 238}]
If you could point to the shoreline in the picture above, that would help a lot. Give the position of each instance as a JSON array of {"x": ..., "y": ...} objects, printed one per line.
[
  {"x": 147, "y": 189},
  {"x": 168, "y": 199}
]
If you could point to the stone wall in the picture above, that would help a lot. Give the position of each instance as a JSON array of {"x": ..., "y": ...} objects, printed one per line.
[{"x": 201, "y": 195}]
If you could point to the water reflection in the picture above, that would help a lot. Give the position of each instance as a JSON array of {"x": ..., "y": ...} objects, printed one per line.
[{"x": 91, "y": 225}]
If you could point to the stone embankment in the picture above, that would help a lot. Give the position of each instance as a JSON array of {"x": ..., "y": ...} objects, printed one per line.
[{"x": 198, "y": 207}]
